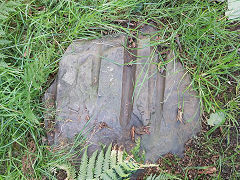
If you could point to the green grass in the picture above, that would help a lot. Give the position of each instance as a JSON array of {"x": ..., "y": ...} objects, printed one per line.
[{"x": 35, "y": 34}]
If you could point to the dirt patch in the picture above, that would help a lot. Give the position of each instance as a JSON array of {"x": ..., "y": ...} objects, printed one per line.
[
  {"x": 61, "y": 174},
  {"x": 28, "y": 160},
  {"x": 204, "y": 158}
]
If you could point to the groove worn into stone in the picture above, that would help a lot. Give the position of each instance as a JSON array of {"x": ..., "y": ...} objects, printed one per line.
[{"x": 99, "y": 95}]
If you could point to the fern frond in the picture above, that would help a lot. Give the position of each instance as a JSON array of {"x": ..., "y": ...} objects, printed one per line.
[
  {"x": 129, "y": 166},
  {"x": 111, "y": 173},
  {"x": 91, "y": 165},
  {"x": 107, "y": 159},
  {"x": 105, "y": 177},
  {"x": 99, "y": 164},
  {"x": 121, "y": 172},
  {"x": 110, "y": 165},
  {"x": 133, "y": 165},
  {"x": 120, "y": 155},
  {"x": 83, "y": 166},
  {"x": 114, "y": 157},
  {"x": 160, "y": 177},
  {"x": 151, "y": 177}
]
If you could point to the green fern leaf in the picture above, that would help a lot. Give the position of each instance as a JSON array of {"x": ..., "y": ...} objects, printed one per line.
[
  {"x": 107, "y": 159},
  {"x": 111, "y": 173},
  {"x": 91, "y": 165},
  {"x": 132, "y": 165},
  {"x": 105, "y": 177},
  {"x": 128, "y": 166},
  {"x": 120, "y": 155},
  {"x": 114, "y": 157},
  {"x": 99, "y": 164},
  {"x": 150, "y": 177},
  {"x": 83, "y": 166},
  {"x": 120, "y": 172},
  {"x": 112, "y": 167}
]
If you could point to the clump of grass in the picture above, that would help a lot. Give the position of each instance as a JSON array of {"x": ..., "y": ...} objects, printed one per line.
[
  {"x": 138, "y": 154},
  {"x": 38, "y": 33}
]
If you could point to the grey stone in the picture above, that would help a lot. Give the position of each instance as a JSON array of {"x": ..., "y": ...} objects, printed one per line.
[
  {"x": 97, "y": 94},
  {"x": 233, "y": 12}
]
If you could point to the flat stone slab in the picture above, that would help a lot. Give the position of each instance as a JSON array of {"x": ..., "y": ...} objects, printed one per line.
[{"x": 115, "y": 94}]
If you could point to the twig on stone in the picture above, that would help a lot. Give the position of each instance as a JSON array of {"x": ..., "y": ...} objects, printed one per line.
[
  {"x": 178, "y": 42},
  {"x": 180, "y": 114}
]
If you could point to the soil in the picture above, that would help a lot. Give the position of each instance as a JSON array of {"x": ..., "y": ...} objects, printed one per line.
[
  {"x": 61, "y": 174},
  {"x": 200, "y": 159}
]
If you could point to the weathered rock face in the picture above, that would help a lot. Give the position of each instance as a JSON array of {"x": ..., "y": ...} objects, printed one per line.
[{"x": 97, "y": 93}]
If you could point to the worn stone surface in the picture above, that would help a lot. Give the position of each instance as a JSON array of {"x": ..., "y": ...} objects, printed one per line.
[{"x": 98, "y": 94}]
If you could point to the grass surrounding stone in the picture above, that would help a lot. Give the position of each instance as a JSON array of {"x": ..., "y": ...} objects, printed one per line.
[{"x": 35, "y": 35}]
